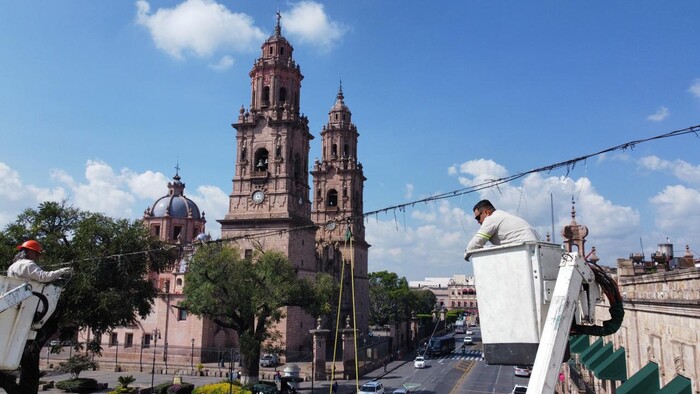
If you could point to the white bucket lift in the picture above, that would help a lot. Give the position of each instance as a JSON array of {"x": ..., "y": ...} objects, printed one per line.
[
  {"x": 24, "y": 307},
  {"x": 515, "y": 284},
  {"x": 529, "y": 294}
]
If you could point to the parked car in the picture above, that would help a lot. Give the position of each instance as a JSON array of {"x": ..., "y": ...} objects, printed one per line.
[
  {"x": 401, "y": 390},
  {"x": 269, "y": 360},
  {"x": 419, "y": 362},
  {"x": 518, "y": 389},
  {"x": 373, "y": 387},
  {"x": 468, "y": 341},
  {"x": 522, "y": 370},
  {"x": 469, "y": 332}
]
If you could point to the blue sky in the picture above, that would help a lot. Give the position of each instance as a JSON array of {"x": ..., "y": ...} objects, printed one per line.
[{"x": 100, "y": 100}]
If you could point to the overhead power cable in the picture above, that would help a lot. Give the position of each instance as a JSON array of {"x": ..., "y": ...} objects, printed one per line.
[{"x": 569, "y": 164}]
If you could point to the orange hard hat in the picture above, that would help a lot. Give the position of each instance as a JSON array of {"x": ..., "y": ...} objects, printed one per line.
[{"x": 31, "y": 245}]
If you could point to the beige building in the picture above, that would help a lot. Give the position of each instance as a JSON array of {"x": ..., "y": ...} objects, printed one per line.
[{"x": 658, "y": 344}]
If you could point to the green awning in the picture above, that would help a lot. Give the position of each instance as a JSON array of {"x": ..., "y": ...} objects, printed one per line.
[
  {"x": 600, "y": 356},
  {"x": 645, "y": 381},
  {"x": 579, "y": 343},
  {"x": 613, "y": 368},
  {"x": 593, "y": 349},
  {"x": 679, "y": 385}
]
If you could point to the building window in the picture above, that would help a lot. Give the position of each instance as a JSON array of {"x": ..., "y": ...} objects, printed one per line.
[
  {"x": 147, "y": 340},
  {"x": 261, "y": 160},
  {"x": 176, "y": 232},
  {"x": 334, "y": 150},
  {"x": 248, "y": 254},
  {"x": 332, "y": 199},
  {"x": 266, "y": 95},
  {"x": 346, "y": 150},
  {"x": 156, "y": 230},
  {"x": 129, "y": 342},
  {"x": 281, "y": 50},
  {"x": 181, "y": 314},
  {"x": 113, "y": 339},
  {"x": 283, "y": 94},
  {"x": 272, "y": 50},
  {"x": 178, "y": 282}
]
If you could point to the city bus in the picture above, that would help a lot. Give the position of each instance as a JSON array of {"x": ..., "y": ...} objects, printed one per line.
[{"x": 440, "y": 345}]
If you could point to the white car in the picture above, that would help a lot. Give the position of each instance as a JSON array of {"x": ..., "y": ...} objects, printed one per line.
[
  {"x": 522, "y": 370},
  {"x": 419, "y": 362},
  {"x": 518, "y": 389},
  {"x": 269, "y": 360},
  {"x": 469, "y": 332},
  {"x": 373, "y": 387},
  {"x": 468, "y": 341}
]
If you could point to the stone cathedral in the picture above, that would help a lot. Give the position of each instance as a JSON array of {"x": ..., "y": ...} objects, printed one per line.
[{"x": 273, "y": 199}]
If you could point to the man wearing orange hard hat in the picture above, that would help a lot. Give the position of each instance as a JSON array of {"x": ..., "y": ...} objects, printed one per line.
[{"x": 24, "y": 264}]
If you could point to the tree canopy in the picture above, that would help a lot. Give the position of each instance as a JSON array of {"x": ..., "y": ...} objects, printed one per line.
[
  {"x": 248, "y": 295},
  {"x": 109, "y": 286},
  {"x": 391, "y": 300}
]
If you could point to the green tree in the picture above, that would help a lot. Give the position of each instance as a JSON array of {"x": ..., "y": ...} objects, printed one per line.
[
  {"x": 390, "y": 298},
  {"x": 248, "y": 296},
  {"x": 103, "y": 292}
]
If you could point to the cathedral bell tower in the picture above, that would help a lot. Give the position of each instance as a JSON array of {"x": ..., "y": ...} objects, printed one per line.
[
  {"x": 337, "y": 210},
  {"x": 271, "y": 178},
  {"x": 269, "y": 207}
]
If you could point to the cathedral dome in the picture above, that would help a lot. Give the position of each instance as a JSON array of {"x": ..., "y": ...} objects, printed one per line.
[{"x": 175, "y": 204}]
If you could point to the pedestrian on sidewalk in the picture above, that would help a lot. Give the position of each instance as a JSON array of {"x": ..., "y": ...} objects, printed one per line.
[
  {"x": 334, "y": 387},
  {"x": 385, "y": 363}
]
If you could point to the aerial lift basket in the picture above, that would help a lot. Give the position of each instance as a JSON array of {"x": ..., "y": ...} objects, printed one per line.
[
  {"x": 24, "y": 307},
  {"x": 514, "y": 285}
]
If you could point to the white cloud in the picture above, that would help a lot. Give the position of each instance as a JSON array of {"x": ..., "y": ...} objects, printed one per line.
[
  {"x": 125, "y": 194},
  {"x": 682, "y": 170},
  {"x": 660, "y": 114},
  {"x": 223, "y": 64},
  {"x": 213, "y": 202},
  {"x": 15, "y": 196},
  {"x": 200, "y": 27},
  {"x": 694, "y": 88},
  {"x": 432, "y": 239},
  {"x": 308, "y": 22},
  {"x": 408, "y": 191},
  {"x": 675, "y": 205}
]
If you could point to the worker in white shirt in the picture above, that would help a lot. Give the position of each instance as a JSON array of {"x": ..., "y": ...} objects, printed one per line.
[
  {"x": 24, "y": 264},
  {"x": 498, "y": 227}
]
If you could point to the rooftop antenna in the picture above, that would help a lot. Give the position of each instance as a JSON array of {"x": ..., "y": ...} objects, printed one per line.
[
  {"x": 551, "y": 205},
  {"x": 641, "y": 246}
]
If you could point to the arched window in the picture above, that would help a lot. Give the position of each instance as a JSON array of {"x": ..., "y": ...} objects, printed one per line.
[
  {"x": 266, "y": 95},
  {"x": 281, "y": 50},
  {"x": 297, "y": 165},
  {"x": 332, "y": 199},
  {"x": 334, "y": 150},
  {"x": 283, "y": 94},
  {"x": 346, "y": 150},
  {"x": 178, "y": 282},
  {"x": 261, "y": 160}
]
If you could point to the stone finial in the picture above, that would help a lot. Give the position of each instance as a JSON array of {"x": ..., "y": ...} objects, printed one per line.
[
  {"x": 593, "y": 257},
  {"x": 318, "y": 323},
  {"x": 575, "y": 234}
]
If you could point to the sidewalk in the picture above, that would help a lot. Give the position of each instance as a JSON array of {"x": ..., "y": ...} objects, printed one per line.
[{"x": 143, "y": 379}]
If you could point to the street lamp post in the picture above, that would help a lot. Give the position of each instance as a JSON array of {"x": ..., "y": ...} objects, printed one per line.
[
  {"x": 192, "y": 356},
  {"x": 230, "y": 368},
  {"x": 141, "y": 355},
  {"x": 156, "y": 334}
]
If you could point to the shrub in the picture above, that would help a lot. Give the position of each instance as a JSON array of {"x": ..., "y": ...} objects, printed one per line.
[
  {"x": 125, "y": 381},
  {"x": 124, "y": 390},
  {"x": 77, "y": 364},
  {"x": 77, "y": 385},
  {"x": 219, "y": 388},
  {"x": 183, "y": 388}
]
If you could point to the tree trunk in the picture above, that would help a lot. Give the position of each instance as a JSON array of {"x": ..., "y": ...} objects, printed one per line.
[
  {"x": 9, "y": 384},
  {"x": 251, "y": 369}
]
